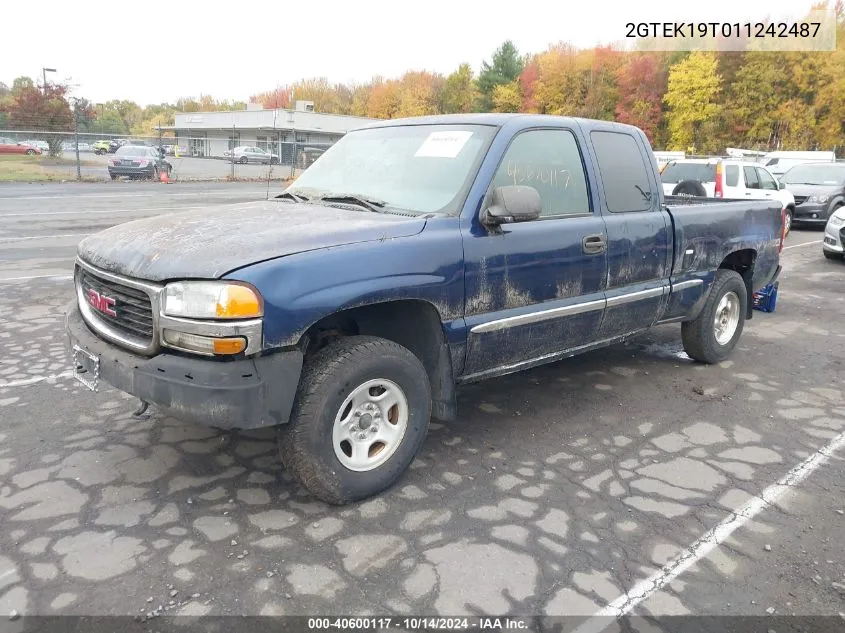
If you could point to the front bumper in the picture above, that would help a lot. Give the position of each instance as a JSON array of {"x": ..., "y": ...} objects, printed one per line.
[
  {"x": 834, "y": 239},
  {"x": 131, "y": 171},
  {"x": 804, "y": 214},
  {"x": 242, "y": 394}
]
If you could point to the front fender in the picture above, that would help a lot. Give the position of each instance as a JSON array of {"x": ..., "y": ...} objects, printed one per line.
[{"x": 301, "y": 289}]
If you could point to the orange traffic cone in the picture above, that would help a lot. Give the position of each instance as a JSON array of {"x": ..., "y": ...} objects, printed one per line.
[{"x": 162, "y": 176}]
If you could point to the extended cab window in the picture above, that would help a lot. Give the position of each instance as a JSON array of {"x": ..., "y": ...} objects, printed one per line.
[
  {"x": 550, "y": 162},
  {"x": 623, "y": 172}
]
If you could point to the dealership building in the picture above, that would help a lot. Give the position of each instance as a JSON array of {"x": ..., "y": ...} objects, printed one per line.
[{"x": 286, "y": 133}]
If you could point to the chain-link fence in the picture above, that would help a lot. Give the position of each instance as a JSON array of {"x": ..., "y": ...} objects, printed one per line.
[{"x": 262, "y": 156}]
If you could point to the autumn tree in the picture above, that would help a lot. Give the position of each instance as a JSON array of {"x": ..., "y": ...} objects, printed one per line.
[
  {"x": 527, "y": 86},
  {"x": 272, "y": 99},
  {"x": 692, "y": 96},
  {"x": 460, "y": 93},
  {"x": 420, "y": 94},
  {"x": 641, "y": 82},
  {"x": 507, "y": 97},
  {"x": 44, "y": 109},
  {"x": 504, "y": 68}
]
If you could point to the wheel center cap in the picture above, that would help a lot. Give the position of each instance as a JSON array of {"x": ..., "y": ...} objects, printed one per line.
[{"x": 365, "y": 420}]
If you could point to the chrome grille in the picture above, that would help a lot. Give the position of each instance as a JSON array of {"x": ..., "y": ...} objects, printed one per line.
[{"x": 132, "y": 306}]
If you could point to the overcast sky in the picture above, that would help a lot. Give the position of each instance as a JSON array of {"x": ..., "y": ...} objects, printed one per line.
[{"x": 138, "y": 51}]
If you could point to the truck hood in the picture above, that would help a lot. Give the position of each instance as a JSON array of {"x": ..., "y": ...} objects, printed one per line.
[{"x": 207, "y": 243}]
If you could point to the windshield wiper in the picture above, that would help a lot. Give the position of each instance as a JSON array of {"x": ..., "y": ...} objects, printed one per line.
[
  {"x": 371, "y": 204},
  {"x": 289, "y": 195}
]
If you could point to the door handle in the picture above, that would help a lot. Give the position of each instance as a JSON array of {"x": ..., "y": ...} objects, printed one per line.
[{"x": 594, "y": 244}]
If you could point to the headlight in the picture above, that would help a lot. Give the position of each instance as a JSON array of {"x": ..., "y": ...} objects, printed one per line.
[
  {"x": 211, "y": 300},
  {"x": 820, "y": 198},
  {"x": 836, "y": 220}
]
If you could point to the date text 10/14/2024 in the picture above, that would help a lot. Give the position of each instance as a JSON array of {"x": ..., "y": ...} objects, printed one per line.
[{"x": 418, "y": 623}]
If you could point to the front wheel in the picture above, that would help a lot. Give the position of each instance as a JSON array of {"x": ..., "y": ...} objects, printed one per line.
[
  {"x": 360, "y": 416},
  {"x": 835, "y": 256},
  {"x": 711, "y": 337},
  {"x": 787, "y": 222},
  {"x": 30, "y": 152}
]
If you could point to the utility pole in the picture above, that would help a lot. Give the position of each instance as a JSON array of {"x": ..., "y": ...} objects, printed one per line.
[
  {"x": 76, "y": 136},
  {"x": 44, "y": 72},
  {"x": 233, "y": 149}
]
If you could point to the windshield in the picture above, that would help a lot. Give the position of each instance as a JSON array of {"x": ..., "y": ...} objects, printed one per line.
[
  {"x": 676, "y": 172},
  {"x": 131, "y": 150},
  {"x": 417, "y": 168},
  {"x": 815, "y": 175}
]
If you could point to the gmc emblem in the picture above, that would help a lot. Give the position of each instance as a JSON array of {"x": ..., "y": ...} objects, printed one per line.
[{"x": 102, "y": 303}]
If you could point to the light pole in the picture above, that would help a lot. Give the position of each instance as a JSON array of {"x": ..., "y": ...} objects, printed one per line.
[{"x": 44, "y": 72}]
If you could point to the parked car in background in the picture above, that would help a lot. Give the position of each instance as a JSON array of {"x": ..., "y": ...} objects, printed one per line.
[
  {"x": 42, "y": 145},
  {"x": 833, "y": 245},
  {"x": 9, "y": 146},
  {"x": 464, "y": 247},
  {"x": 69, "y": 146},
  {"x": 249, "y": 154},
  {"x": 780, "y": 162},
  {"x": 138, "y": 161},
  {"x": 725, "y": 178},
  {"x": 819, "y": 191},
  {"x": 108, "y": 147}
]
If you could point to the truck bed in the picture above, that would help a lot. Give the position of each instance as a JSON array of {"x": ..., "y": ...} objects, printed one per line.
[{"x": 706, "y": 230}]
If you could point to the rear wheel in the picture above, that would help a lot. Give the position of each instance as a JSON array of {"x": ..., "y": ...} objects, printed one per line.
[
  {"x": 711, "y": 337},
  {"x": 30, "y": 152},
  {"x": 360, "y": 416},
  {"x": 113, "y": 176},
  {"x": 243, "y": 160}
]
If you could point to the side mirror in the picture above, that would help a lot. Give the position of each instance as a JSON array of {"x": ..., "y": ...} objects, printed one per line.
[
  {"x": 781, "y": 185},
  {"x": 513, "y": 203}
]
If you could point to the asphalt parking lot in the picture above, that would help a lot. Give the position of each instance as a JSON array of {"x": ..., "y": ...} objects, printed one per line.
[
  {"x": 625, "y": 481},
  {"x": 184, "y": 168}
]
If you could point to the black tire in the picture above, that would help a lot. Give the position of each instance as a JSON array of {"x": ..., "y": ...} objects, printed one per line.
[
  {"x": 114, "y": 176},
  {"x": 699, "y": 336},
  {"x": 328, "y": 377},
  {"x": 243, "y": 160},
  {"x": 834, "y": 256},
  {"x": 30, "y": 152},
  {"x": 689, "y": 188}
]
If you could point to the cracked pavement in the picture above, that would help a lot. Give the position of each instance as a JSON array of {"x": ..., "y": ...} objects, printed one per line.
[{"x": 555, "y": 492}]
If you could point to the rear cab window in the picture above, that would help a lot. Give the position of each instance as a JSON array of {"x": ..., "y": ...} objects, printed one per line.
[
  {"x": 731, "y": 175},
  {"x": 622, "y": 167}
]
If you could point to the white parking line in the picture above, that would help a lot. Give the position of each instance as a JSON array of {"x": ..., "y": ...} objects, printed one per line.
[
  {"x": 35, "y": 380},
  {"x": 786, "y": 248},
  {"x": 41, "y": 237},
  {"x": 2, "y": 279},
  {"x": 644, "y": 589}
]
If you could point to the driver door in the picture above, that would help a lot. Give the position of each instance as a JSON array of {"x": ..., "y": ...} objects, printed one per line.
[{"x": 535, "y": 289}]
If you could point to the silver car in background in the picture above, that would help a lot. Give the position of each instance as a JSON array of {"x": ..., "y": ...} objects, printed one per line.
[
  {"x": 249, "y": 154},
  {"x": 833, "y": 245}
]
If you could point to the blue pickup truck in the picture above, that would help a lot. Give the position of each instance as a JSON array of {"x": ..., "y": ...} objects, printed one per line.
[{"x": 414, "y": 256}]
